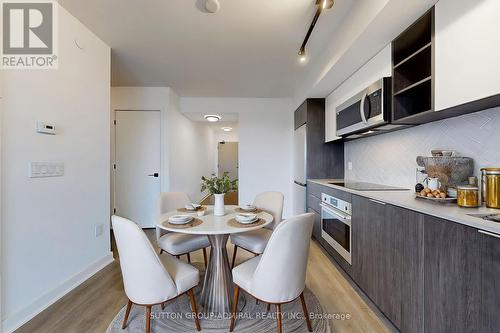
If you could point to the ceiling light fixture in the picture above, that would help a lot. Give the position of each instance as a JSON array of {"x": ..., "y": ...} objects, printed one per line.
[
  {"x": 227, "y": 129},
  {"x": 212, "y": 118},
  {"x": 327, "y": 4},
  {"x": 322, "y": 4},
  {"x": 212, "y": 6},
  {"x": 302, "y": 55}
]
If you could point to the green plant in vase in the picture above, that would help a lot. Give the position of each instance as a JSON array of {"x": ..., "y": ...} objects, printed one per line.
[{"x": 219, "y": 186}]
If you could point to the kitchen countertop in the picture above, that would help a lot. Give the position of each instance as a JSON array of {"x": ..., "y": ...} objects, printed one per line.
[{"x": 406, "y": 199}]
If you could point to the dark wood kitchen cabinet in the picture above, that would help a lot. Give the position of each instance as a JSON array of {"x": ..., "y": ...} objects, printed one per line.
[
  {"x": 490, "y": 284},
  {"x": 368, "y": 247},
  {"x": 323, "y": 160},
  {"x": 462, "y": 270},
  {"x": 452, "y": 277},
  {"x": 424, "y": 273},
  {"x": 317, "y": 223},
  {"x": 388, "y": 260}
]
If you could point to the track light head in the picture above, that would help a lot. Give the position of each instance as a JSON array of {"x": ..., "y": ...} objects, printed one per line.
[
  {"x": 302, "y": 55},
  {"x": 325, "y": 4}
]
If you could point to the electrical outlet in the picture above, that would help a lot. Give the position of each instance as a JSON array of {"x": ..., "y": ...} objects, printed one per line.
[
  {"x": 349, "y": 165},
  {"x": 98, "y": 230}
]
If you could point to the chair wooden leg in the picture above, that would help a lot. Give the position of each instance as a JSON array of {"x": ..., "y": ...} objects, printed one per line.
[
  {"x": 306, "y": 313},
  {"x": 205, "y": 257},
  {"x": 189, "y": 258},
  {"x": 234, "y": 256},
  {"x": 148, "y": 318},
  {"x": 163, "y": 305},
  {"x": 268, "y": 307},
  {"x": 193, "y": 308},
  {"x": 235, "y": 306},
  {"x": 129, "y": 306},
  {"x": 278, "y": 317}
]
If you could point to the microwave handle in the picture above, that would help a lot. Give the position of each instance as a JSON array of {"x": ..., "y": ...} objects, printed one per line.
[{"x": 362, "y": 108}]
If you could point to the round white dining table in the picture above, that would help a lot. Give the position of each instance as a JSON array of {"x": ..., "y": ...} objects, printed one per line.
[{"x": 217, "y": 292}]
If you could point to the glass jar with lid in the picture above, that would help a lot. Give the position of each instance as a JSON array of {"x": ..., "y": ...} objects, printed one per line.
[{"x": 468, "y": 196}]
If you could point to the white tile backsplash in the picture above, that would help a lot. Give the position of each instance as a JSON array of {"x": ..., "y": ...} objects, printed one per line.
[{"x": 390, "y": 158}]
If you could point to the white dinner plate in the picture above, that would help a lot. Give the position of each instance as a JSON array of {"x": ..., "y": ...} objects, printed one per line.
[
  {"x": 248, "y": 208},
  {"x": 180, "y": 219},
  {"x": 246, "y": 218},
  {"x": 247, "y": 221}
]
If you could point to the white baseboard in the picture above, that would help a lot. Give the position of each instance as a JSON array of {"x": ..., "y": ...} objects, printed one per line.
[{"x": 21, "y": 317}]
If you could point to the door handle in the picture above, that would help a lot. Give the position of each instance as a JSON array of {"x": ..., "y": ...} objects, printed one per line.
[
  {"x": 489, "y": 233},
  {"x": 156, "y": 175},
  {"x": 362, "y": 108},
  {"x": 378, "y": 202}
]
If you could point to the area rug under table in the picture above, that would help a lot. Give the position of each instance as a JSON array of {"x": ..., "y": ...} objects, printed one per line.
[{"x": 253, "y": 317}]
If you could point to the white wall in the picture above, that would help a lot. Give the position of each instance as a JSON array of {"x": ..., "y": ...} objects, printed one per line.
[
  {"x": 232, "y": 136},
  {"x": 265, "y": 134},
  {"x": 187, "y": 147},
  {"x": 192, "y": 147},
  {"x": 48, "y": 224},
  {"x": 390, "y": 158}
]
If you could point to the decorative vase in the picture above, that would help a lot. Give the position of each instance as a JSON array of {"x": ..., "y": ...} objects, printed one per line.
[{"x": 219, "y": 205}]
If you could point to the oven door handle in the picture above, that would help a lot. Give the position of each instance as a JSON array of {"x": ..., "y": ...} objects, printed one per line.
[{"x": 344, "y": 217}]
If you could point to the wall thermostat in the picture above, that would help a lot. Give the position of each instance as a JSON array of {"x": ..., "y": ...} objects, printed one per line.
[{"x": 42, "y": 127}]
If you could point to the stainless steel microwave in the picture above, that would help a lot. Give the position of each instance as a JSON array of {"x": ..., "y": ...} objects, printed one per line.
[{"x": 366, "y": 110}]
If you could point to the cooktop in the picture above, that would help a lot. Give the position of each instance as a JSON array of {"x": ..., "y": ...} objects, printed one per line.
[
  {"x": 487, "y": 217},
  {"x": 364, "y": 186}
]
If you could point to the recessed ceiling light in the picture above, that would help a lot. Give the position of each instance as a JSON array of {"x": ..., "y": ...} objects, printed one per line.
[
  {"x": 227, "y": 129},
  {"x": 212, "y": 117}
]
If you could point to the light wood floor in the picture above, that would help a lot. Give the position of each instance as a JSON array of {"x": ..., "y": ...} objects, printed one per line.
[{"x": 91, "y": 306}]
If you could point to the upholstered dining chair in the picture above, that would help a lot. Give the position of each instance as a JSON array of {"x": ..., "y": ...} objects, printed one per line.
[
  {"x": 176, "y": 243},
  {"x": 149, "y": 280},
  {"x": 278, "y": 275},
  {"x": 255, "y": 241}
]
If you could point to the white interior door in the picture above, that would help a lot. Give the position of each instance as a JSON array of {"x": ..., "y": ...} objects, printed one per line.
[
  {"x": 228, "y": 159},
  {"x": 137, "y": 159}
]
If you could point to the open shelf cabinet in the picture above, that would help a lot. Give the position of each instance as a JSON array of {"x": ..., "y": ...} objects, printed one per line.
[{"x": 413, "y": 69}]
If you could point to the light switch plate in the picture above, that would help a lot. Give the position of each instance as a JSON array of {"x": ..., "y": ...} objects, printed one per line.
[
  {"x": 349, "y": 165},
  {"x": 46, "y": 169}
]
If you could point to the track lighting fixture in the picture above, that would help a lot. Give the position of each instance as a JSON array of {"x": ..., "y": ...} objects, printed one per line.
[
  {"x": 321, "y": 5},
  {"x": 302, "y": 55},
  {"x": 327, "y": 4}
]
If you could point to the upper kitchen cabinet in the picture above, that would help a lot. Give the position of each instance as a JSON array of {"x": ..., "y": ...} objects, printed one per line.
[
  {"x": 446, "y": 63},
  {"x": 412, "y": 74},
  {"x": 375, "y": 69},
  {"x": 323, "y": 160},
  {"x": 467, "y": 41}
]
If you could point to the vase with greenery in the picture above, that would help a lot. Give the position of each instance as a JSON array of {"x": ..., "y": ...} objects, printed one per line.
[{"x": 219, "y": 186}]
